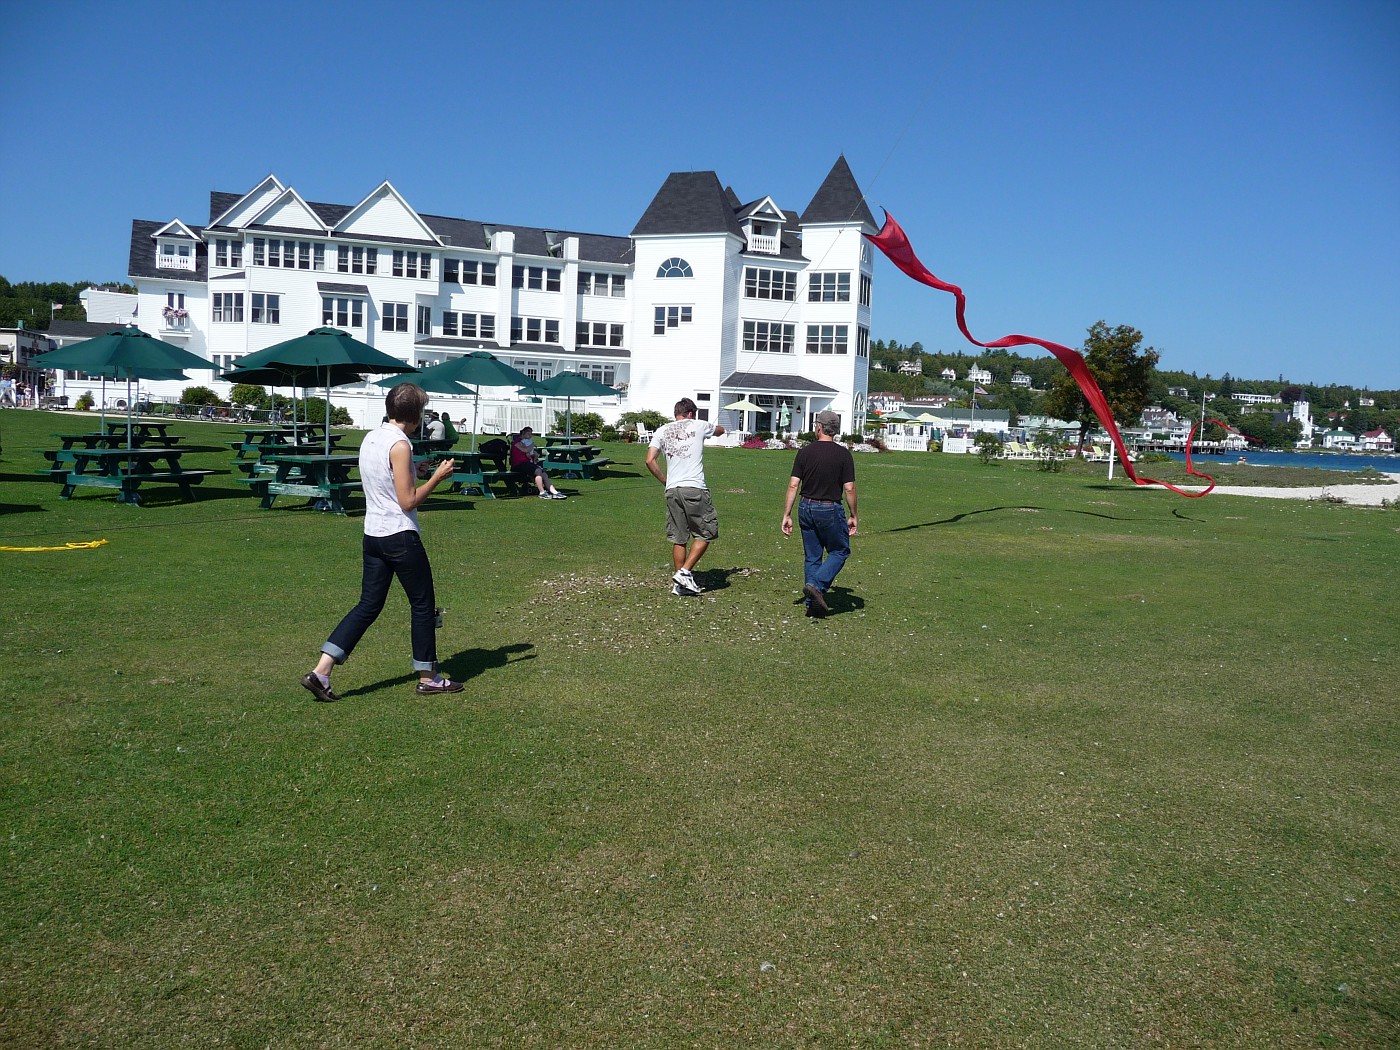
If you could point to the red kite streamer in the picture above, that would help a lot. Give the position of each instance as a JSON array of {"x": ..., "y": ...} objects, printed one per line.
[{"x": 892, "y": 241}]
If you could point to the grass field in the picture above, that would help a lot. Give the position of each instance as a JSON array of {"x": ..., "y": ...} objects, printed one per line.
[{"x": 1073, "y": 764}]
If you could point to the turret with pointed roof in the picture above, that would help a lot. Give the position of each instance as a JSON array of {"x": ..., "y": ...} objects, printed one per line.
[{"x": 839, "y": 199}]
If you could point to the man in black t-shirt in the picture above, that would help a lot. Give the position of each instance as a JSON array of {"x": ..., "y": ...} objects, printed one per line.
[{"x": 823, "y": 472}]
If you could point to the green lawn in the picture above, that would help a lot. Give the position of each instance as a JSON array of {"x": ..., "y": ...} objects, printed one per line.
[{"x": 1074, "y": 764}]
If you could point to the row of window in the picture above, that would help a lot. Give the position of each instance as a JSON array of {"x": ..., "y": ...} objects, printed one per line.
[
  {"x": 759, "y": 282},
  {"x": 266, "y": 308},
  {"x": 771, "y": 337},
  {"x": 775, "y": 337},
  {"x": 822, "y": 286}
]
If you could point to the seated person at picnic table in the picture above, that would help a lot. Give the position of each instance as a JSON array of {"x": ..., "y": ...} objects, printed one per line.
[
  {"x": 433, "y": 429},
  {"x": 525, "y": 464}
]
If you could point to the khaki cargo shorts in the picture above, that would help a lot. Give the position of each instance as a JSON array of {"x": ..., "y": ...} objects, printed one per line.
[{"x": 690, "y": 513}]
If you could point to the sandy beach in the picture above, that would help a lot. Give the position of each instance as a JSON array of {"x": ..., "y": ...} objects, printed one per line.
[{"x": 1357, "y": 495}]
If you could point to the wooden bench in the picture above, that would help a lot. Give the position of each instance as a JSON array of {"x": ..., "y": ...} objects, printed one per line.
[
  {"x": 130, "y": 483},
  {"x": 592, "y": 466},
  {"x": 334, "y": 493}
]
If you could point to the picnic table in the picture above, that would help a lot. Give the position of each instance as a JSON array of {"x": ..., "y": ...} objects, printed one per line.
[
  {"x": 286, "y": 438},
  {"x": 575, "y": 461},
  {"x": 110, "y": 439},
  {"x": 466, "y": 475},
  {"x": 324, "y": 480},
  {"x": 142, "y": 432},
  {"x": 120, "y": 468}
]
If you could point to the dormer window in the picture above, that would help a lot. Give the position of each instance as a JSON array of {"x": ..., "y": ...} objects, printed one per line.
[
  {"x": 764, "y": 237},
  {"x": 175, "y": 255}
]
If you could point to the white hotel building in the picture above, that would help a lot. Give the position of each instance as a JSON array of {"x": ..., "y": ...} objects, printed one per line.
[{"x": 708, "y": 297}]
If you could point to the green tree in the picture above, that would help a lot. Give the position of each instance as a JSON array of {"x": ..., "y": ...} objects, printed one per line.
[
  {"x": 199, "y": 395},
  {"x": 249, "y": 395}
]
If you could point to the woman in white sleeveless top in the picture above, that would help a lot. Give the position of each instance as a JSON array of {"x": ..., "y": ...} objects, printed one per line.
[{"x": 392, "y": 547}]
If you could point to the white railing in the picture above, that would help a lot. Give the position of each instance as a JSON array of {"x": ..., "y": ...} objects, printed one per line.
[
  {"x": 175, "y": 262},
  {"x": 764, "y": 243}
]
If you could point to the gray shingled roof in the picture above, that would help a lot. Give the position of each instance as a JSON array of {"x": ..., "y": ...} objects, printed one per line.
[
  {"x": 766, "y": 381},
  {"x": 689, "y": 202},
  {"x": 342, "y": 289},
  {"x": 142, "y": 260},
  {"x": 838, "y": 199},
  {"x": 59, "y": 329}
]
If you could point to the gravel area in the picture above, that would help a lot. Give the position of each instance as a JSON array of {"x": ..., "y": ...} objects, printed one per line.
[{"x": 1357, "y": 495}]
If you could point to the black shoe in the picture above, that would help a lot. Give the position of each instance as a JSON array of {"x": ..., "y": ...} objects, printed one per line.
[
  {"x": 438, "y": 685},
  {"x": 321, "y": 692},
  {"x": 814, "y": 595}
]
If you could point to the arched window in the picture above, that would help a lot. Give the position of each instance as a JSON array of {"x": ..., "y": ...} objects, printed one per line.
[{"x": 674, "y": 267}]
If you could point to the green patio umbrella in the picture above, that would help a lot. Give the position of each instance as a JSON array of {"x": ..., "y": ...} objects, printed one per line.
[
  {"x": 897, "y": 416},
  {"x": 433, "y": 384},
  {"x": 570, "y": 385},
  {"x": 479, "y": 369},
  {"x": 315, "y": 355},
  {"x": 271, "y": 375},
  {"x": 123, "y": 353}
]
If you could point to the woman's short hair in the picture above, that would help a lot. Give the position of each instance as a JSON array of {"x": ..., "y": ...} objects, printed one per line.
[{"x": 405, "y": 403}]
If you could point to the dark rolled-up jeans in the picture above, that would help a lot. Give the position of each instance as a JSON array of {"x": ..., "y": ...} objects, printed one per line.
[{"x": 385, "y": 557}]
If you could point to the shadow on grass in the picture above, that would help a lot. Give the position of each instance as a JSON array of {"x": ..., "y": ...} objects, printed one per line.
[
  {"x": 956, "y": 518},
  {"x": 838, "y": 600},
  {"x": 461, "y": 667},
  {"x": 21, "y": 508},
  {"x": 717, "y": 579}
]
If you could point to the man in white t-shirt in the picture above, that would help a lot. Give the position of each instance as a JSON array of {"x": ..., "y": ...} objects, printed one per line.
[{"x": 691, "y": 521}]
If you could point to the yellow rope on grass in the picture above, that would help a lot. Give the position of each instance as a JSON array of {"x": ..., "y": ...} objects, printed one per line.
[{"x": 84, "y": 545}]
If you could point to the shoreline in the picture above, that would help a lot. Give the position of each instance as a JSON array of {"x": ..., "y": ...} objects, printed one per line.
[{"x": 1352, "y": 495}]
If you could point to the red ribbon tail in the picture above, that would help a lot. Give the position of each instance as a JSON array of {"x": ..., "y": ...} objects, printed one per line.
[{"x": 894, "y": 243}]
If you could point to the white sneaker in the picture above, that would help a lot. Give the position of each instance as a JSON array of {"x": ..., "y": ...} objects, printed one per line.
[
  {"x": 545, "y": 495},
  {"x": 685, "y": 580},
  {"x": 680, "y": 592},
  {"x": 556, "y": 494}
]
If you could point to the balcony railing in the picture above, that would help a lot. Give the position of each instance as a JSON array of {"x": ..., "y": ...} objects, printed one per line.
[
  {"x": 175, "y": 262},
  {"x": 765, "y": 243}
]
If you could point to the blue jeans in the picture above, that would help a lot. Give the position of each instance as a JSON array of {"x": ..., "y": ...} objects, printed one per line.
[
  {"x": 824, "y": 531},
  {"x": 400, "y": 555}
]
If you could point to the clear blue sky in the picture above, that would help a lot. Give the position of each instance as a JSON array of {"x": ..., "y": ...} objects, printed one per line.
[{"x": 1223, "y": 176}]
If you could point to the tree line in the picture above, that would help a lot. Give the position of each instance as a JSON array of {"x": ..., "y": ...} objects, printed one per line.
[
  {"x": 1128, "y": 374},
  {"x": 31, "y": 302}
]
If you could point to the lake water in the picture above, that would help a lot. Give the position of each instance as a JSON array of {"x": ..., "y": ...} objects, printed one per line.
[{"x": 1326, "y": 460}]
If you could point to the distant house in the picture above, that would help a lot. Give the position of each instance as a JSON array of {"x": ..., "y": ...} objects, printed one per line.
[
  {"x": 1366, "y": 402},
  {"x": 1178, "y": 391},
  {"x": 885, "y": 401},
  {"x": 1255, "y": 399},
  {"x": 948, "y": 374},
  {"x": 1339, "y": 439},
  {"x": 1377, "y": 441},
  {"x": 1019, "y": 378},
  {"x": 1155, "y": 417},
  {"x": 911, "y": 368},
  {"x": 934, "y": 401},
  {"x": 978, "y": 374}
]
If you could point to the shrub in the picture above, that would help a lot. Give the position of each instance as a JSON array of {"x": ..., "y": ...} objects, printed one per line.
[
  {"x": 650, "y": 418},
  {"x": 583, "y": 422},
  {"x": 608, "y": 434},
  {"x": 84, "y": 402},
  {"x": 763, "y": 435},
  {"x": 248, "y": 395},
  {"x": 199, "y": 395},
  {"x": 807, "y": 436},
  {"x": 853, "y": 439},
  {"x": 988, "y": 447}
]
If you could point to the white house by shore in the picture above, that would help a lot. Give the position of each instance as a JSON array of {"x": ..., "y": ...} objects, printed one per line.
[{"x": 709, "y": 296}]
